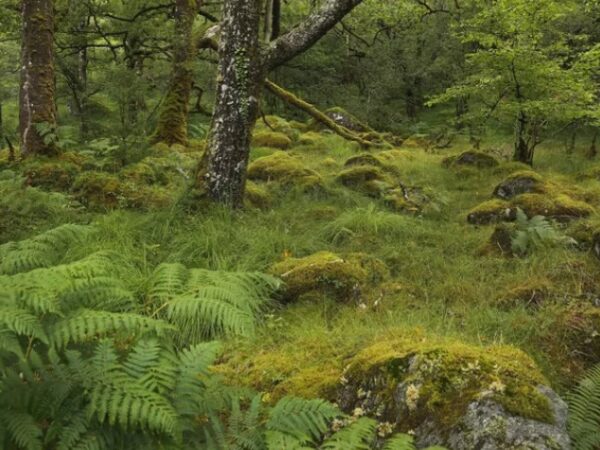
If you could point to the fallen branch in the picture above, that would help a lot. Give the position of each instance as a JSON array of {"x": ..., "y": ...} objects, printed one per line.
[{"x": 321, "y": 117}]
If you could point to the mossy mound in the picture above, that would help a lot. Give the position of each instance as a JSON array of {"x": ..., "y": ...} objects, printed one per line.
[
  {"x": 310, "y": 138},
  {"x": 257, "y": 196},
  {"x": 51, "y": 174},
  {"x": 510, "y": 167},
  {"x": 271, "y": 139},
  {"x": 364, "y": 159},
  {"x": 407, "y": 382},
  {"x": 471, "y": 159},
  {"x": 285, "y": 169},
  {"x": 491, "y": 211},
  {"x": 531, "y": 294},
  {"x": 369, "y": 180},
  {"x": 343, "y": 278},
  {"x": 417, "y": 141},
  {"x": 522, "y": 182},
  {"x": 276, "y": 124},
  {"x": 396, "y": 156},
  {"x": 528, "y": 191},
  {"x": 407, "y": 199},
  {"x": 97, "y": 190},
  {"x": 140, "y": 173}
]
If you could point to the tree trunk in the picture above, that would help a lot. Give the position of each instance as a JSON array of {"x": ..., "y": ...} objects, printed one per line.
[
  {"x": 173, "y": 120},
  {"x": 37, "y": 88},
  {"x": 523, "y": 151},
  {"x": 593, "y": 150},
  {"x": 240, "y": 80}
]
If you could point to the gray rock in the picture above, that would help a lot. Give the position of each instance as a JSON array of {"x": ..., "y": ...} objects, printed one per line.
[{"x": 517, "y": 185}]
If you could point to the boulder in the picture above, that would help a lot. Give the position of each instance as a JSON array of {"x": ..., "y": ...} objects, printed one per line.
[
  {"x": 364, "y": 159},
  {"x": 491, "y": 211},
  {"x": 522, "y": 182},
  {"x": 470, "y": 158},
  {"x": 324, "y": 272},
  {"x": 459, "y": 396},
  {"x": 271, "y": 139},
  {"x": 285, "y": 169}
]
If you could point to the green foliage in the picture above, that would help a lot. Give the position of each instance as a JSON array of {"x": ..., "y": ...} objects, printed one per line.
[
  {"x": 584, "y": 412},
  {"x": 535, "y": 233},
  {"x": 203, "y": 303}
]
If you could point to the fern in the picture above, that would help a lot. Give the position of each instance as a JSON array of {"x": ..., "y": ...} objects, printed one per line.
[
  {"x": 535, "y": 233},
  {"x": 584, "y": 412},
  {"x": 357, "y": 436},
  {"x": 43, "y": 250},
  {"x": 204, "y": 304}
]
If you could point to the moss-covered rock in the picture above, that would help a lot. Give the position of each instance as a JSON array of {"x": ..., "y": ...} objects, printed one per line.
[
  {"x": 257, "y": 196},
  {"x": 364, "y": 159},
  {"x": 407, "y": 199},
  {"x": 417, "y": 141},
  {"x": 491, "y": 211},
  {"x": 560, "y": 207},
  {"x": 432, "y": 387},
  {"x": 470, "y": 158},
  {"x": 285, "y": 169},
  {"x": 346, "y": 120},
  {"x": 532, "y": 293},
  {"x": 370, "y": 180},
  {"x": 341, "y": 277},
  {"x": 139, "y": 173},
  {"x": 272, "y": 139},
  {"x": 54, "y": 174},
  {"x": 310, "y": 138},
  {"x": 97, "y": 190},
  {"x": 522, "y": 182}
]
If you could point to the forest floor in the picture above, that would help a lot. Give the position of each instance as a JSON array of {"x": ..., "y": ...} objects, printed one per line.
[{"x": 405, "y": 263}]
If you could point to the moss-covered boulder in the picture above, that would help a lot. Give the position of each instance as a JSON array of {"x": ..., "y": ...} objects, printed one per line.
[
  {"x": 407, "y": 199},
  {"x": 470, "y": 158},
  {"x": 491, "y": 211},
  {"x": 271, "y": 139},
  {"x": 364, "y": 159},
  {"x": 560, "y": 207},
  {"x": 522, "y": 182},
  {"x": 53, "y": 174},
  {"x": 285, "y": 169},
  {"x": 367, "y": 179},
  {"x": 97, "y": 190},
  {"x": 456, "y": 395},
  {"x": 343, "y": 278},
  {"x": 257, "y": 196},
  {"x": 310, "y": 138}
]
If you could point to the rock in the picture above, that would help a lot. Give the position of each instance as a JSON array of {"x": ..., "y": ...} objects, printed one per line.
[
  {"x": 370, "y": 180},
  {"x": 271, "y": 139},
  {"x": 470, "y": 158},
  {"x": 522, "y": 182},
  {"x": 407, "y": 199},
  {"x": 501, "y": 240},
  {"x": 364, "y": 159},
  {"x": 285, "y": 169},
  {"x": 491, "y": 211},
  {"x": 560, "y": 207},
  {"x": 310, "y": 138},
  {"x": 459, "y": 396},
  {"x": 341, "y": 277}
]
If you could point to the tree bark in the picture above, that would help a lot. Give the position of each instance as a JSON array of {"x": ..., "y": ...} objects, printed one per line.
[
  {"x": 173, "y": 120},
  {"x": 222, "y": 174},
  {"x": 523, "y": 150},
  {"x": 37, "y": 87},
  {"x": 243, "y": 67}
]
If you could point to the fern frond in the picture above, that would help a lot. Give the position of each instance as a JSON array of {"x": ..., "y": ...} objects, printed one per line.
[
  {"x": 306, "y": 420},
  {"x": 22, "y": 322},
  {"x": 356, "y": 436},
  {"x": 23, "y": 429},
  {"x": 584, "y": 412},
  {"x": 87, "y": 324},
  {"x": 400, "y": 442}
]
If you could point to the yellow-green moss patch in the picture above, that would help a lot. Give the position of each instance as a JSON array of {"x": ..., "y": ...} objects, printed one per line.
[
  {"x": 285, "y": 169},
  {"x": 272, "y": 139},
  {"x": 490, "y": 211},
  {"x": 370, "y": 180}
]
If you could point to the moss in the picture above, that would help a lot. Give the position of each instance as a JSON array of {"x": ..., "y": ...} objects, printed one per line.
[
  {"x": 343, "y": 118},
  {"x": 145, "y": 197},
  {"x": 370, "y": 180},
  {"x": 521, "y": 182},
  {"x": 470, "y": 158},
  {"x": 559, "y": 207},
  {"x": 449, "y": 376},
  {"x": 396, "y": 156},
  {"x": 406, "y": 199},
  {"x": 140, "y": 172},
  {"x": 285, "y": 169},
  {"x": 310, "y": 138},
  {"x": 532, "y": 293},
  {"x": 509, "y": 167},
  {"x": 364, "y": 159},
  {"x": 257, "y": 196},
  {"x": 490, "y": 211},
  {"x": 272, "y": 139},
  {"x": 417, "y": 141},
  {"x": 53, "y": 174},
  {"x": 324, "y": 272},
  {"x": 97, "y": 190}
]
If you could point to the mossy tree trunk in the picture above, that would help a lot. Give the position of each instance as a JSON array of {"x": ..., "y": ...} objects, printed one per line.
[
  {"x": 243, "y": 66},
  {"x": 173, "y": 120},
  {"x": 37, "y": 108},
  {"x": 240, "y": 79},
  {"x": 523, "y": 146}
]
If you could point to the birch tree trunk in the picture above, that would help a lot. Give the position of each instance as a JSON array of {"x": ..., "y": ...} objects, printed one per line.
[
  {"x": 37, "y": 88},
  {"x": 243, "y": 66},
  {"x": 173, "y": 120}
]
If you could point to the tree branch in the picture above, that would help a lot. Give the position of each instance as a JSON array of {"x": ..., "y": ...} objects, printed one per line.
[{"x": 308, "y": 32}]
